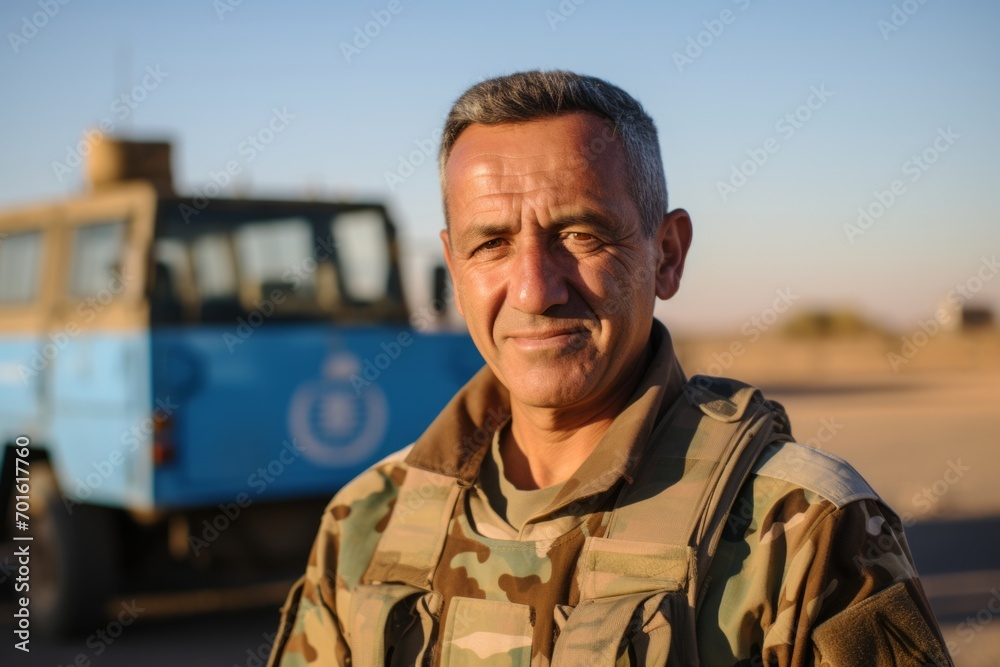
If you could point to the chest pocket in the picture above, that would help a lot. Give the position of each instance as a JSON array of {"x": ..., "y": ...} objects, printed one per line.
[
  {"x": 633, "y": 606},
  {"x": 394, "y": 622},
  {"x": 490, "y": 633}
]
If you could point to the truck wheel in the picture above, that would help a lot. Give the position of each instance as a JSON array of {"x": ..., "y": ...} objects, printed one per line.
[{"x": 74, "y": 559}]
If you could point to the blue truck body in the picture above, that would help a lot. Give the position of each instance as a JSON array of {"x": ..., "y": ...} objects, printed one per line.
[{"x": 289, "y": 411}]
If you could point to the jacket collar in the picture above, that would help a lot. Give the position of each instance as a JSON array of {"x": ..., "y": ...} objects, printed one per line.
[{"x": 456, "y": 442}]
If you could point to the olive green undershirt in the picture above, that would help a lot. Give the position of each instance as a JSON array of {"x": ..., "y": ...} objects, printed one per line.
[{"x": 515, "y": 505}]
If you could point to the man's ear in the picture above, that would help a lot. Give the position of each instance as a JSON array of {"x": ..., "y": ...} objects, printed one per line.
[
  {"x": 673, "y": 239},
  {"x": 446, "y": 247}
]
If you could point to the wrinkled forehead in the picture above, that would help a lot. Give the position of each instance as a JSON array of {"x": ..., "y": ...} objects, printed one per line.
[
  {"x": 549, "y": 157},
  {"x": 506, "y": 173}
]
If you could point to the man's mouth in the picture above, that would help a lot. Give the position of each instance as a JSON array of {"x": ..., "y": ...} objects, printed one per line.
[{"x": 547, "y": 338}]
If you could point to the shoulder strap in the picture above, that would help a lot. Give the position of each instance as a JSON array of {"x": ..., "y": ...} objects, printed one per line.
[
  {"x": 662, "y": 534},
  {"x": 697, "y": 461},
  {"x": 403, "y": 564},
  {"x": 411, "y": 544}
]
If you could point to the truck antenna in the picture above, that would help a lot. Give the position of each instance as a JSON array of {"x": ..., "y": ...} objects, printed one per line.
[{"x": 123, "y": 76}]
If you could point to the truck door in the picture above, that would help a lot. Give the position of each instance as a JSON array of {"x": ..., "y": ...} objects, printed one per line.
[
  {"x": 25, "y": 349},
  {"x": 99, "y": 382}
]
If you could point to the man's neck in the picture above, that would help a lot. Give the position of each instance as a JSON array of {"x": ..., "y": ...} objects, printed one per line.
[{"x": 545, "y": 446}]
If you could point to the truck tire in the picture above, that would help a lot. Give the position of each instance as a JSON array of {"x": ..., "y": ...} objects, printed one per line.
[{"x": 75, "y": 555}]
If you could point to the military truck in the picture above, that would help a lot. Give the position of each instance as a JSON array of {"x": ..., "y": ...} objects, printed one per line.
[{"x": 193, "y": 378}]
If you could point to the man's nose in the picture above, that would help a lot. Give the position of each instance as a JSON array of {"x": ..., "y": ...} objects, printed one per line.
[{"x": 536, "y": 282}]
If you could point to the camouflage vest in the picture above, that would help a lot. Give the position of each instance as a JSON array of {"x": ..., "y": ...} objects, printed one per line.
[{"x": 638, "y": 570}]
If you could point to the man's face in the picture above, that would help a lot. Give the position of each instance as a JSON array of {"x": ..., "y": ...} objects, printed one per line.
[{"x": 553, "y": 272}]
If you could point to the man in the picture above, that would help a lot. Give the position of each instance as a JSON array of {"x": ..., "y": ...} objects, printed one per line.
[{"x": 576, "y": 503}]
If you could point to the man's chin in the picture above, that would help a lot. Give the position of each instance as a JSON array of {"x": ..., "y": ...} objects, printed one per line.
[{"x": 549, "y": 391}]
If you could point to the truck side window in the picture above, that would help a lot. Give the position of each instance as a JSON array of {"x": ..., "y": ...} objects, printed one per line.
[
  {"x": 363, "y": 250},
  {"x": 97, "y": 253},
  {"x": 19, "y": 261},
  {"x": 278, "y": 255},
  {"x": 216, "y": 278},
  {"x": 171, "y": 281},
  {"x": 214, "y": 269}
]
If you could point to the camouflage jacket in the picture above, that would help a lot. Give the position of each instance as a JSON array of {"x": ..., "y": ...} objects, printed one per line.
[{"x": 811, "y": 568}]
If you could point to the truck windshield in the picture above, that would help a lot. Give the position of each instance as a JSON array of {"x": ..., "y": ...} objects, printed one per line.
[{"x": 294, "y": 261}]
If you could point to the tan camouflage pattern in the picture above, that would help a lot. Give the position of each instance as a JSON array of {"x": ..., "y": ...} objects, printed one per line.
[{"x": 811, "y": 569}]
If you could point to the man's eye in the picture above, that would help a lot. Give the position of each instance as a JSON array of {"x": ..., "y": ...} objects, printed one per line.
[
  {"x": 492, "y": 244},
  {"x": 582, "y": 240}
]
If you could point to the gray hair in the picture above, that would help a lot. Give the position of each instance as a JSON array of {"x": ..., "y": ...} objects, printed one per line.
[{"x": 534, "y": 95}]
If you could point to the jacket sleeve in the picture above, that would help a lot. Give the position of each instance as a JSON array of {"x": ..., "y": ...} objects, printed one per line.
[
  {"x": 852, "y": 596},
  {"x": 310, "y": 632}
]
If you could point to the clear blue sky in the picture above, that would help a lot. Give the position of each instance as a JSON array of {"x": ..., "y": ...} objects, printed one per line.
[{"x": 891, "y": 93}]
